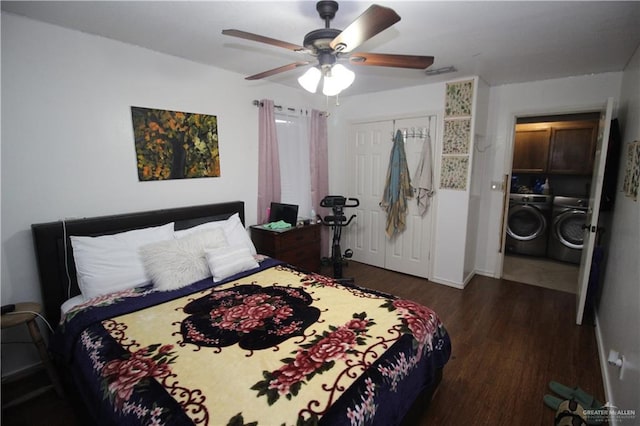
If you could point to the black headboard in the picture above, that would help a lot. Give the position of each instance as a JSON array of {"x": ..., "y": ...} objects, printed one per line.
[{"x": 54, "y": 255}]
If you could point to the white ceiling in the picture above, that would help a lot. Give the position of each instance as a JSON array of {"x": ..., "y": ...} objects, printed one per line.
[{"x": 503, "y": 42}]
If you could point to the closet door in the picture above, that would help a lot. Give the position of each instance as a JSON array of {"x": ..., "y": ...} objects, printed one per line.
[
  {"x": 368, "y": 158},
  {"x": 368, "y": 153},
  {"x": 408, "y": 252}
]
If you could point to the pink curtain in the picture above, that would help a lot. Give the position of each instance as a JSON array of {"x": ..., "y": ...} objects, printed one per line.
[
  {"x": 268, "y": 162},
  {"x": 318, "y": 153}
]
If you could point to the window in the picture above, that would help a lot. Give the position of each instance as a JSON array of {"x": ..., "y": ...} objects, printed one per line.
[{"x": 293, "y": 148}]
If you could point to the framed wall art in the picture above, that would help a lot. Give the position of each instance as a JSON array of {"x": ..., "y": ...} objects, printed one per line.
[
  {"x": 454, "y": 172},
  {"x": 174, "y": 144},
  {"x": 457, "y": 135}
]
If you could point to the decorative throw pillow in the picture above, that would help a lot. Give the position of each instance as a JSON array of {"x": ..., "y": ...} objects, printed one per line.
[
  {"x": 233, "y": 229},
  {"x": 228, "y": 261},
  {"x": 111, "y": 263},
  {"x": 180, "y": 262}
]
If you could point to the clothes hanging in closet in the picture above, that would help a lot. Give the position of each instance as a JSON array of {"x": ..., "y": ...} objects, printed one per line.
[
  {"x": 397, "y": 188},
  {"x": 423, "y": 178}
]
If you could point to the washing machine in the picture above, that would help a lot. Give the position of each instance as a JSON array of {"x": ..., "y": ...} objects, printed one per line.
[
  {"x": 527, "y": 224},
  {"x": 568, "y": 217}
]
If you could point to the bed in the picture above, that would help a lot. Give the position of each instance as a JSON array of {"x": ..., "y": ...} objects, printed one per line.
[{"x": 256, "y": 341}]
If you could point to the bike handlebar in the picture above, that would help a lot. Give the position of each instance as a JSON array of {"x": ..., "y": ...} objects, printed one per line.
[{"x": 333, "y": 222}]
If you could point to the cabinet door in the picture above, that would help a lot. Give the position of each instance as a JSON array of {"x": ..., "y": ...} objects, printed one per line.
[
  {"x": 572, "y": 147},
  {"x": 531, "y": 148}
]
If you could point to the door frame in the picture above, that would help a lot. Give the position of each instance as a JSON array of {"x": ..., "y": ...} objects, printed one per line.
[{"x": 508, "y": 161}]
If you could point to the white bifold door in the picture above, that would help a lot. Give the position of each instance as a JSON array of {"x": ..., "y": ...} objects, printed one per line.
[{"x": 368, "y": 159}]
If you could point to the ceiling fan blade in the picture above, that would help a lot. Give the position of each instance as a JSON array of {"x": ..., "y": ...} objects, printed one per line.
[
  {"x": 374, "y": 20},
  {"x": 387, "y": 60},
  {"x": 278, "y": 70},
  {"x": 262, "y": 39}
]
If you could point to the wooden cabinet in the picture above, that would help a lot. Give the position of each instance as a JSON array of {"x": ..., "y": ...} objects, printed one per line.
[
  {"x": 531, "y": 149},
  {"x": 298, "y": 246},
  {"x": 563, "y": 147},
  {"x": 573, "y": 147}
]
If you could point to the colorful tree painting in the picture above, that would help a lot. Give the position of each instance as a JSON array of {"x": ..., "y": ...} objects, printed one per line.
[{"x": 175, "y": 145}]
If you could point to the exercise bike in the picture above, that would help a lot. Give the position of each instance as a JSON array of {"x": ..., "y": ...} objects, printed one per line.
[{"x": 336, "y": 222}]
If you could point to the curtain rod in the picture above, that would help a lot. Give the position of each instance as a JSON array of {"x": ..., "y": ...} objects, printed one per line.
[
  {"x": 280, "y": 107},
  {"x": 258, "y": 103}
]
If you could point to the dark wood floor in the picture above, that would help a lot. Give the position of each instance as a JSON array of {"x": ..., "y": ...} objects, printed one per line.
[{"x": 509, "y": 340}]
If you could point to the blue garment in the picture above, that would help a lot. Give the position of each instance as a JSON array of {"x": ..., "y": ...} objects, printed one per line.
[{"x": 397, "y": 188}]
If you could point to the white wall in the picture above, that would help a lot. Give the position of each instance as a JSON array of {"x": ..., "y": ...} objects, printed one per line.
[
  {"x": 67, "y": 140},
  {"x": 564, "y": 95},
  {"x": 619, "y": 307}
]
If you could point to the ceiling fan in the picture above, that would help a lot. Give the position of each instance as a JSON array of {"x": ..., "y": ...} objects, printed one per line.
[{"x": 330, "y": 45}]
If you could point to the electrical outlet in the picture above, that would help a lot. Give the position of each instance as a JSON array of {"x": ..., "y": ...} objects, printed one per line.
[{"x": 616, "y": 360}]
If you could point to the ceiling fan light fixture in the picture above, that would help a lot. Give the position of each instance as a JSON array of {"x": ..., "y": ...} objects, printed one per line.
[
  {"x": 310, "y": 79},
  {"x": 337, "y": 79},
  {"x": 330, "y": 86},
  {"x": 344, "y": 75}
]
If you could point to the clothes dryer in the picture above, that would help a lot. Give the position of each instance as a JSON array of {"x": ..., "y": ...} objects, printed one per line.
[
  {"x": 527, "y": 224},
  {"x": 567, "y": 228}
]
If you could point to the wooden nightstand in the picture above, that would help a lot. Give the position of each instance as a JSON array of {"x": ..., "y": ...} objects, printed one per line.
[
  {"x": 299, "y": 246},
  {"x": 25, "y": 313}
]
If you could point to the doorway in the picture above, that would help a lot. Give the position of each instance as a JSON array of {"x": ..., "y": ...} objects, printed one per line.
[{"x": 552, "y": 161}]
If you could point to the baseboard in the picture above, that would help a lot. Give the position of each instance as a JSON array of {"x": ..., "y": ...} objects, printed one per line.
[
  {"x": 448, "y": 283},
  {"x": 489, "y": 274},
  {"x": 458, "y": 285},
  {"x": 602, "y": 354}
]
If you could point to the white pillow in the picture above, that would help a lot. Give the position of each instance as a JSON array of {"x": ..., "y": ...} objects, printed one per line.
[
  {"x": 111, "y": 263},
  {"x": 228, "y": 261},
  {"x": 179, "y": 262},
  {"x": 233, "y": 229}
]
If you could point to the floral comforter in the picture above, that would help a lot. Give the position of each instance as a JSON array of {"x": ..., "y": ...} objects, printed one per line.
[{"x": 274, "y": 347}]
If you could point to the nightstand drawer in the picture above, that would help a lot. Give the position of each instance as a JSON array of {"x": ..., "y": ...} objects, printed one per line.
[{"x": 298, "y": 237}]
